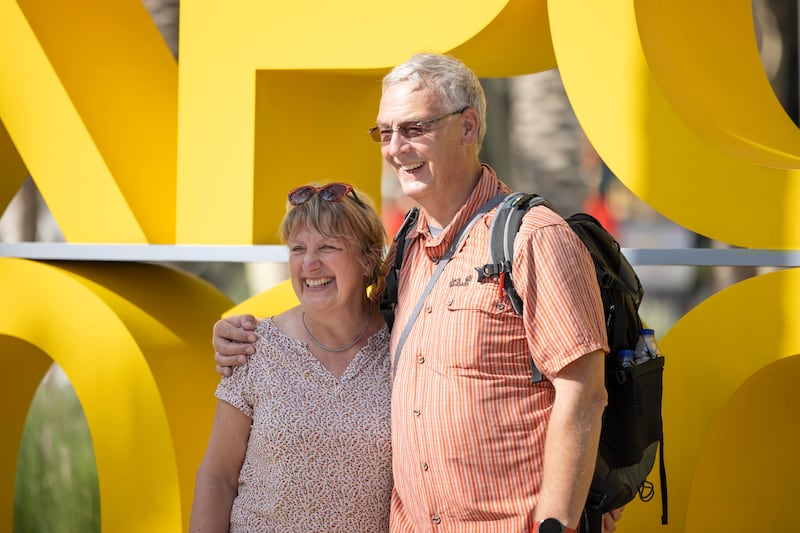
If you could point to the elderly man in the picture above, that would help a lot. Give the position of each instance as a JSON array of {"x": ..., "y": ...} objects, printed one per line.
[{"x": 477, "y": 445}]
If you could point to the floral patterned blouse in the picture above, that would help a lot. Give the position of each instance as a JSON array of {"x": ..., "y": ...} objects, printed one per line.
[{"x": 319, "y": 453}]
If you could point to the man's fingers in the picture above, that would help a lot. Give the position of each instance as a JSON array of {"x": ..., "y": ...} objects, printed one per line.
[
  {"x": 228, "y": 331},
  {"x": 230, "y": 348},
  {"x": 225, "y": 363},
  {"x": 229, "y": 360},
  {"x": 227, "y": 337},
  {"x": 616, "y": 514},
  {"x": 248, "y": 322},
  {"x": 610, "y": 519},
  {"x": 224, "y": 370}
]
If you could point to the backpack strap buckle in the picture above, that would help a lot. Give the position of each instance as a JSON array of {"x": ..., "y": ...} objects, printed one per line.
[{"x": 492, "y": 271}]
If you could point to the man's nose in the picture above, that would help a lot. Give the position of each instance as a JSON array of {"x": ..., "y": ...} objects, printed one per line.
[{"x": 397, "y": 142}]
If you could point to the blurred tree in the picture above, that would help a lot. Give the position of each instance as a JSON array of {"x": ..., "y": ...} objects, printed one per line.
[
  {"x": 534, "y": 140},
  {"x": 56, "y": 486},
  {"x": 165, "y": 14},
  {"x": 18, "y": 223}
]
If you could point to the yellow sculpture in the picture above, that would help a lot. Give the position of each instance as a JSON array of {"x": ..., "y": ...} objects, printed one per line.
[{"x": 127, "y": 146}]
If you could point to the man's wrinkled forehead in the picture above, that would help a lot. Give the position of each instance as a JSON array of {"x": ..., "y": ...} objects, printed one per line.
[{"x": 403, "y": 102}]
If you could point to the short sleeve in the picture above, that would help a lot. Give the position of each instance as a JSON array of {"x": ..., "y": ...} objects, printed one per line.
[
  {"x": 237, "y": 388},
  {"x": 563, "y": 309}
]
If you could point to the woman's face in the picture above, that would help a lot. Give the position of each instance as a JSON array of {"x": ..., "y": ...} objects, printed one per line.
[{"x": 326, "y": 273}]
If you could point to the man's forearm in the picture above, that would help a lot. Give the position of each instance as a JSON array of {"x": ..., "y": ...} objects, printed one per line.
[{"x": 573, "y": 435}]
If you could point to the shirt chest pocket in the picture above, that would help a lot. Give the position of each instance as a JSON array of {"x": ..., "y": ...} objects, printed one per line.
[
  {"x": 484, "y": 334},
  {"x": 487, "y": 298}
]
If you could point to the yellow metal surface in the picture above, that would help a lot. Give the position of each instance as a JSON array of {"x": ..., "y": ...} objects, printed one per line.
[
  {"x": 89, "y": 98},
  {"x": 276, "y": 94},
  {"x": 730, "y": 411},
  {"x": 12, "y": 169},
  {"x": 28, "y": 364},
  {"x": 282, "y": 93},
  {"x": 709, "y": 173},
  {"x": 134, "y": 341}
]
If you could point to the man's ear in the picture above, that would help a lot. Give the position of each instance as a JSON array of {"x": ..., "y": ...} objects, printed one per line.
[{"x": 471, "y": 123}]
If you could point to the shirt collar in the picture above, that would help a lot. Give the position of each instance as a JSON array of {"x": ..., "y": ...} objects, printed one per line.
[{"x": 487, "y": 187}]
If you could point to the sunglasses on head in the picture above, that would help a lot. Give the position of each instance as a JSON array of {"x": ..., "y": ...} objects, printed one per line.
[{"x": 333, "y": 192}]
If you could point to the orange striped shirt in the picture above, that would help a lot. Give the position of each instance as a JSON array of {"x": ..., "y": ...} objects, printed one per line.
[{"x": 468, "y": 426}]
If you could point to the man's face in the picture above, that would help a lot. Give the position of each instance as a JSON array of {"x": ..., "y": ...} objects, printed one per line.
[{"x": 425, "y": 162}]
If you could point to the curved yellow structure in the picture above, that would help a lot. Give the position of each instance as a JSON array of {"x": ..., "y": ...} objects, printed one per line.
[
  {"x": 730, "y": 411},
  {"x": 686, "y": 118},
  {"x": 134, "y": 341},
  {"x": 89, "y": 100},
  {"x": 273, "y": 94},
  {"x": 713, "y": 152},
  {"x": 239, "y": 66}
]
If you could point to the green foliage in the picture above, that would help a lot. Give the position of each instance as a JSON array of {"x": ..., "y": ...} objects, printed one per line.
[{"x": 56, "y": 486}]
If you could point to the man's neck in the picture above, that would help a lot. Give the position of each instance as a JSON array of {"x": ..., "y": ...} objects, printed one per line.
[{"x": 440, "y": 209}]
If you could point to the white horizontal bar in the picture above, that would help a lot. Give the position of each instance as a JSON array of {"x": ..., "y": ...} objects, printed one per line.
[
  {"x": 712, "y": 257},
  {"x": 146, "y": 252},
  {"x": 278, "y": 254}
]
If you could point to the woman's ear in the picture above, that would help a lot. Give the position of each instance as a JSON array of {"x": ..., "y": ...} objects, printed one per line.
[
  {"x": 368, "y": 268},
  {"x": 371, "y": 269}
]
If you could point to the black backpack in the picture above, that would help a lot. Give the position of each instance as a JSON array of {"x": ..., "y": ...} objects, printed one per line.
[{"x": 632, "y": 427}]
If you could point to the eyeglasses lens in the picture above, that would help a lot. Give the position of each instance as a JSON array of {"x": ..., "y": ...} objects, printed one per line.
[
  {"x": 301, "y": 195},
  {"x": 409, "y": 130},
  {"x": 328, "y": 193},
  {"x": 333, "y": 192}
]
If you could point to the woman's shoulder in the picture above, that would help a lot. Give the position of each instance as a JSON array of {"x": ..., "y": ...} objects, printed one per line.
[
  {"x": 265, "y": 325},
  {"x": 272, "y": 340}
]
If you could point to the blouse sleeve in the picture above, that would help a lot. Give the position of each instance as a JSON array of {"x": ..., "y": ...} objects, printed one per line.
[{"x": 237, "y": 388}]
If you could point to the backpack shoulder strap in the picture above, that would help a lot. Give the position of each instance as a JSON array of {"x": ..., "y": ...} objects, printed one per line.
[
  {"x": 503, "y": 229},
  {"x": 454, "y": 245},
  {"x": 388, "y": 298}
]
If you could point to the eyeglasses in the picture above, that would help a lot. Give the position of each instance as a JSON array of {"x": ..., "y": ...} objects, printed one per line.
[
  {"x": 333, "y": 192},
  {"x": 409, "y": 130}
]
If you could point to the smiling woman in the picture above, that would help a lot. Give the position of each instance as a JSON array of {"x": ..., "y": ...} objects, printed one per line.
[{"x": 313, "y": 401}]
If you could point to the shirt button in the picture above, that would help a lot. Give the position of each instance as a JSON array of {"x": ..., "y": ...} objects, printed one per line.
[
  {"x": 450, "y": 302},
  {"x": 416, "y": 412},
  {"x": 428, "y": 309},
  {"x": 420, "y": 360},
  {"x": 425, "y": 467},
  {"x": 500, "y": 306},
  {"x": 436, "y": 520},
  {"x": 435, "y": 260}
]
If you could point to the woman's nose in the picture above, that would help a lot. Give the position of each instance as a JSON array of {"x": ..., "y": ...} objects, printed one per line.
[{"x": 311, "y": 260}]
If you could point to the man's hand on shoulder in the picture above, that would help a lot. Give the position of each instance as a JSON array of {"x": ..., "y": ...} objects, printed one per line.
[{"x": 233, "y": 341}]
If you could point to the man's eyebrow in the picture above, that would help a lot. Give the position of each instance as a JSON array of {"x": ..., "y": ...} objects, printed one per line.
[{"x": 387, "y": 124}]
